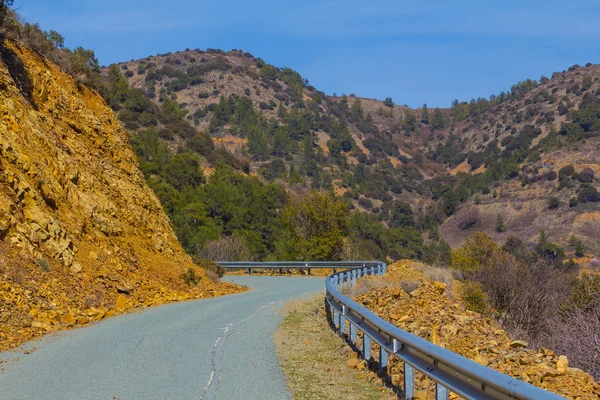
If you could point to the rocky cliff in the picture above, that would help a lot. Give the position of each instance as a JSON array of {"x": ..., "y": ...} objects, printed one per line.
[{"x": 82, "y": 237}]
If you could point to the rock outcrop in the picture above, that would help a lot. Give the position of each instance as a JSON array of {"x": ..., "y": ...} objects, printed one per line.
[
  {"x": 427, "y": 311},
  {"x": 82, "y": 237}
]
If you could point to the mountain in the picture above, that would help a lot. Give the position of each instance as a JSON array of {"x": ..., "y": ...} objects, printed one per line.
[
  {"x": 519, "y": 162},
  {"x": 82, "y": 236}
]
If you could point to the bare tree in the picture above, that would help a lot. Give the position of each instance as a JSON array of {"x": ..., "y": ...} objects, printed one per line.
[{"x": 227, "y": 248}]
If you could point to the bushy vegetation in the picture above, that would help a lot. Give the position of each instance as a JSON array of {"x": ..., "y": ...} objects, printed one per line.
[
  {"x": 562, "y": 306},
  {"x": 474, "y": 297},
  {"x": 79, "y": 62}
]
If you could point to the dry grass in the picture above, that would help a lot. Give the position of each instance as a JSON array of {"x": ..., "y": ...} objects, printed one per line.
[
  {"x": 363, "y": 286},
  {"x": 438, "y": 274},
  {"x": 315, "y": 360}
]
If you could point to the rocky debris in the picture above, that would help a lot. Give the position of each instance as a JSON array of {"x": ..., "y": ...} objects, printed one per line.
[
  {"x": 427, "y": 312},
  {"x": 82, "y": 237}
]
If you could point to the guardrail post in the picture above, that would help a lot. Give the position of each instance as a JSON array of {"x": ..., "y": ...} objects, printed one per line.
[
  {"x": 280, "y": 271},
  {"x": 383, "y": 359},
  {"x": 366, "y": 350},
  {"x": 342, "y": 325},
  {"x": 353, "y": 278},
  {"x": 309, "y": 271},
  {"x": 409, "y": 381},
  {"x": 249, "y": 271},
  {"x": 384, "y": 268},
  {"x": 336, "y": 318},
  {"x": 441, "y": 393},
  {"x": 352, "y": 333},
  {"x": 334, "y": 270}
]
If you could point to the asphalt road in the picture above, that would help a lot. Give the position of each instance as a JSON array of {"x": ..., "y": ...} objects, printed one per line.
[{"x": 220, "y": 348}]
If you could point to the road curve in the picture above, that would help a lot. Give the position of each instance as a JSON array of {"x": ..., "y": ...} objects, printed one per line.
[{"x": 220, "y": 348}]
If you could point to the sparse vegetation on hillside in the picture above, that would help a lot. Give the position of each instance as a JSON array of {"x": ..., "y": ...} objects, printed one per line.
[{"x": 235, "y": 109}]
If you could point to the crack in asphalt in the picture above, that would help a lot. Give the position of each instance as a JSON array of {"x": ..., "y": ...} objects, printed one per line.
[{"x": 210, "y": 390}]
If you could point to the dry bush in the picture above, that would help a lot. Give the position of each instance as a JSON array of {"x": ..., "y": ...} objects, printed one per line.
[
  {"x": 409, "y": 286},
  {"x": 467, "y": 217},
  {"x": 577, "y": 335},
  {"x": 227, "y": 248},
  {"x": 526, "y": 297},
  {"x": 213, "y": 270},
  {"x": 438, "y": 274},
  {"x": 363, "y": 286}
]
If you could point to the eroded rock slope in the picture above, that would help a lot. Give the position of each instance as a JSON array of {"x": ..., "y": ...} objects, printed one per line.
[{"x": 82, "y": 237}]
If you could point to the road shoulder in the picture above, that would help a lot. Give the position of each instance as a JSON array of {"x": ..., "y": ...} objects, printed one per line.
[{"x": 315, "y": 361}]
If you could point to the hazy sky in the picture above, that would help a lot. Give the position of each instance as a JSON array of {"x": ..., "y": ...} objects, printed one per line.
[{"x": 413, "y": 51}]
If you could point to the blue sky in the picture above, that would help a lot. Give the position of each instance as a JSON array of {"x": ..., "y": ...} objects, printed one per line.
[{"x": 413, "y": 51}]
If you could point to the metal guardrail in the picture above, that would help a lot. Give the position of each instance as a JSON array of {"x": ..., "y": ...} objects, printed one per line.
[
  {"x": 450, "y": 372},
  {"x": 307, "y": 265}
]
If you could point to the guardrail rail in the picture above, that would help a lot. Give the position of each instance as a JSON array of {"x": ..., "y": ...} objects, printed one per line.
[
  {"x": 307, "y": 265},
  {"x": 451, "y": 372}
]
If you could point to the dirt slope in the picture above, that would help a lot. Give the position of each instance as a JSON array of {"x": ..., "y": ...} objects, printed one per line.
[{"x": 82, "y": 237}]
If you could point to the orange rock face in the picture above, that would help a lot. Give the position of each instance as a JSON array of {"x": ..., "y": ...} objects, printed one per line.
[{"x": 82, "y": 237}]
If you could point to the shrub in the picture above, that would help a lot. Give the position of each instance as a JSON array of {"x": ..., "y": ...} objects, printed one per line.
[
  {"x": 552, "y": 175},
  {"x": 209, "y": 266},
  {"x": 474, "y": 297},
  {"x": 566, "y": 171},
  {"x": 365, "y": 203},
  {"x": 579, "y": 249},
  {"x": 575, "y": 334},
  {"x": 401, "y": 215},
  {"x": 467, "y": 217},
  {"x": 553, "y": 203},
  {"x": 228, "y": 248},
  {"x": 573, "y": 201},
  {"x": 409, "y": 286},
  {"x": 589, "y": 195},
  {"x": 586, "y": 176},
  {"x": 500, "y": 224},
  {"x": 508, "y": 283},
  {"x": 189, "y": 277},
  {"x": 44, "y": 265},
  {"x": 478, "y": 252}
]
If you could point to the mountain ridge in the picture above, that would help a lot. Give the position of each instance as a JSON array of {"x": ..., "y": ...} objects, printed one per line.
[{"x": 422, "y": 151}]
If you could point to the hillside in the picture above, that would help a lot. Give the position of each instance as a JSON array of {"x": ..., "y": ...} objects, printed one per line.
[
  {"x": 82, "y": 237},
  {"x": 537, "y": 154},
  {"x": 228, "y": 94},
  {"x": 458, "y": 168}
]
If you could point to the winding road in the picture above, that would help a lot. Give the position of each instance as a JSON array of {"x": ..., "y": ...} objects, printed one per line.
[{"x": 219, "y": 348}]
